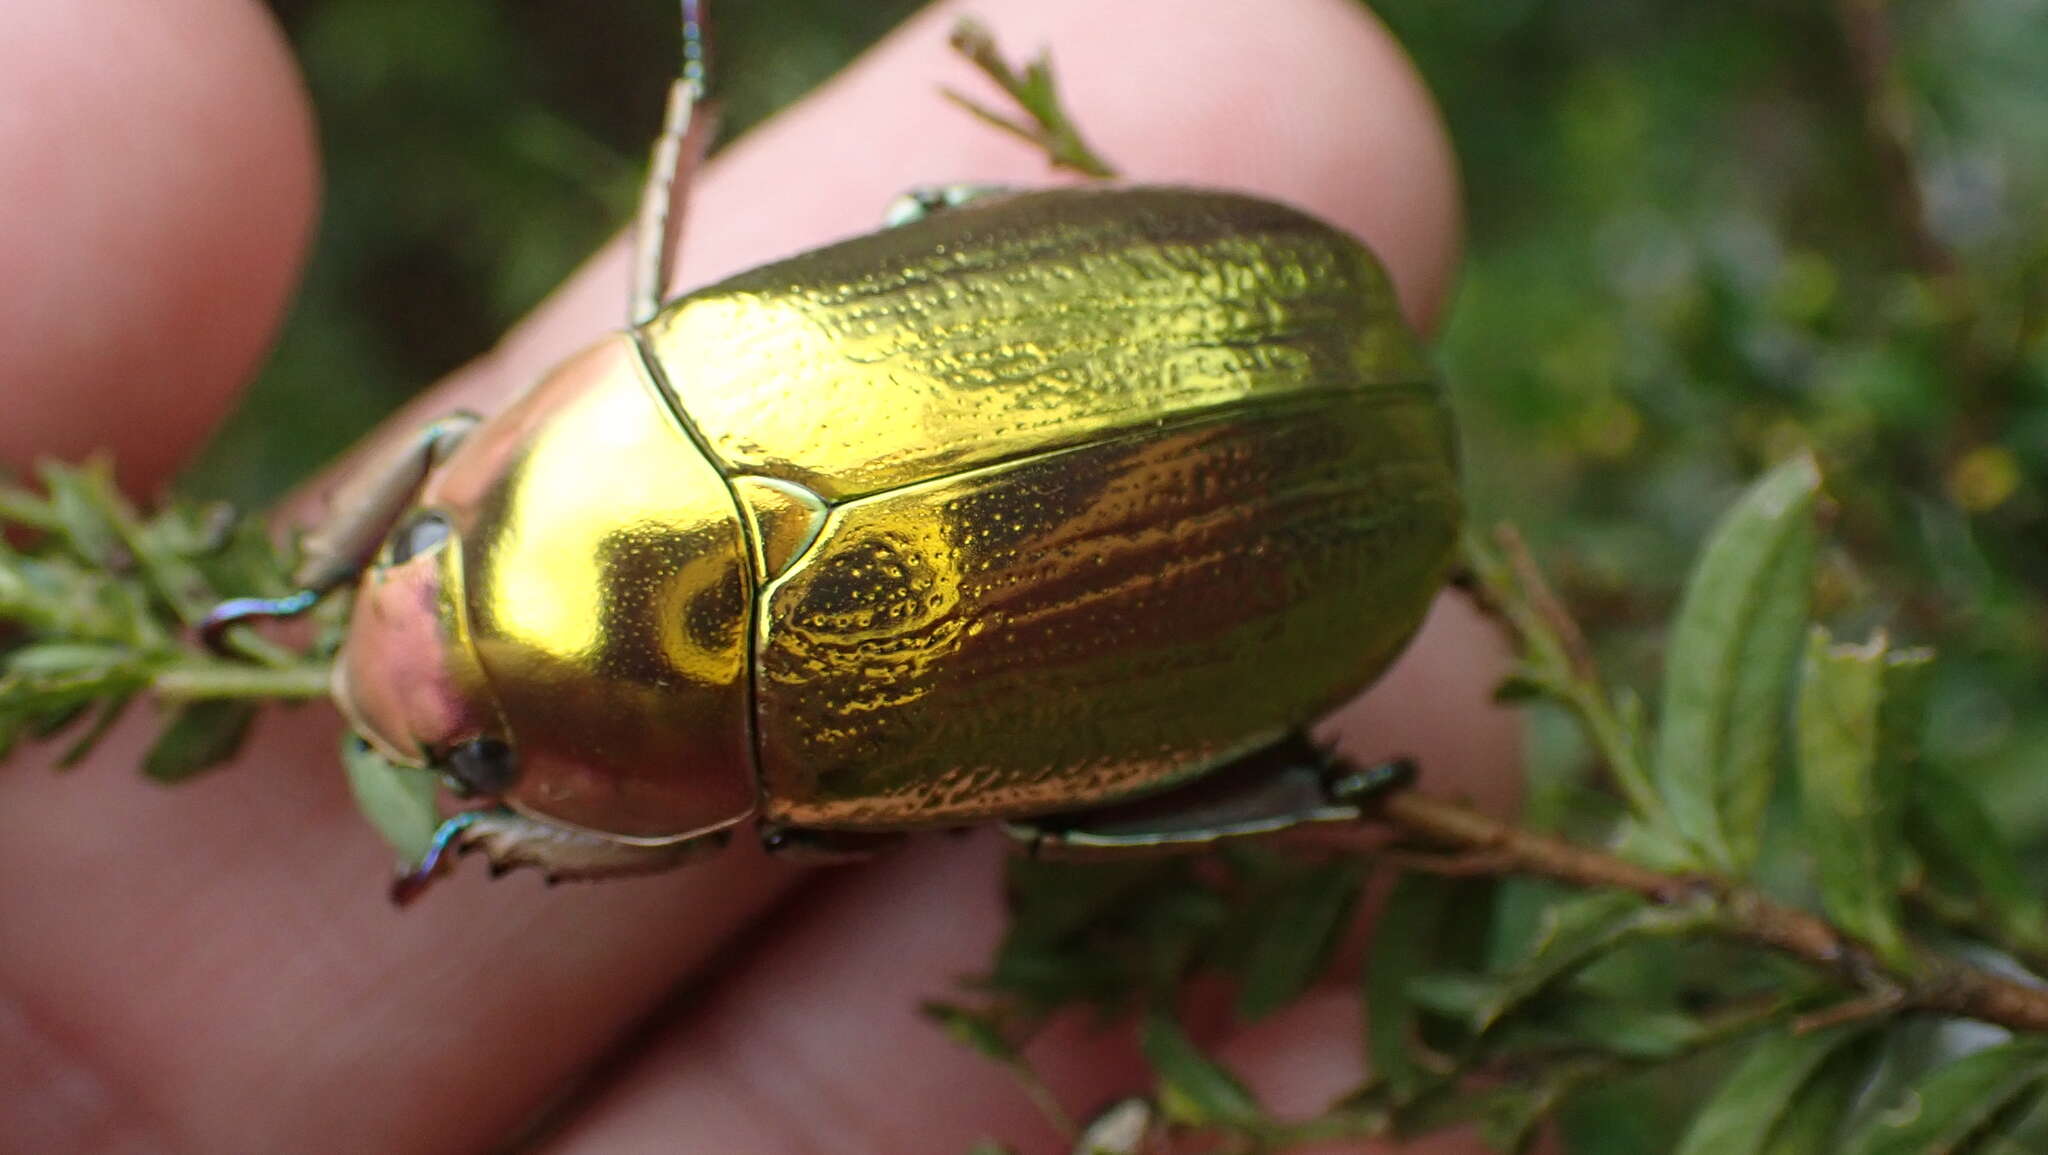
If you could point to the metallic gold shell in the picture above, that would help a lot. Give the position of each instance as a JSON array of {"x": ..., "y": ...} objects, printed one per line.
[
  {"x": 609, "y": 594},
  {"x": 1123, "y": 483},
  {"x": 1009, "y": 327}
]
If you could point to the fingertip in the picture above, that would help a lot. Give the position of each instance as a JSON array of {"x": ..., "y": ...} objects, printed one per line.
[{"x": 156, "y": 193}]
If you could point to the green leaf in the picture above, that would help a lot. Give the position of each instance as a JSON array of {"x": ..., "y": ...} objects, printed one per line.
[
  {"x": 1747, "y": 1109},
  {"x": 973, "y": 1029},
  {"x": 1954, "y": 1101},
  {"x": 1813, "y": 1120},
  {"x": 1650, "y": 846},
  {"x": 79, "y": 512},
  {"x": 1852, "y": 700},
  {"x": 200, "y": 736},
  {"x": 1574, "y": 932},
  {"x": 1194, "y": 1090},
  {"x": 2025, "y": 1134},
  {"x": 1293, "y": 942},
  {"x": 1405, "y": 942},
  {"x": 1954, "y": 834},
  {"x": 1730, "y": 664},
  {"x": 1575, "y": 1020},
  {"x": 110, "y": 712},
  {"x": 398, "y": 800}
]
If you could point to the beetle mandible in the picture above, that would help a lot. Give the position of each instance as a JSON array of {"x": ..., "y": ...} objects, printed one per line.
[{"x": 1069, "y": 509}]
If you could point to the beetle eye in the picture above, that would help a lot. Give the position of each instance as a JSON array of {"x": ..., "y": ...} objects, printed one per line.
[
  {"x": 421, "y": 533},
  {"x": 483, "y": 766}
]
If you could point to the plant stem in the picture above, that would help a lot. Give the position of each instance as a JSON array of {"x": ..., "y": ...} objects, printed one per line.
[
  {"x": 1511, "y": 587},
  {"x": 1939, "y": 984},
  {"x": 193, "y": 681}
]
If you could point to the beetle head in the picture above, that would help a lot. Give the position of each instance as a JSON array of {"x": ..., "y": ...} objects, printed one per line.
[{"x": 561, "y": 624}]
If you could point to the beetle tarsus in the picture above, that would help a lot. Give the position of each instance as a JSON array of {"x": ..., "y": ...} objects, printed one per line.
[{"x": 510, "y": 841}]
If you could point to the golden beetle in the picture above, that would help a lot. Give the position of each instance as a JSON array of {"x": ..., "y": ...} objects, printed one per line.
[{"x": 1067, "y": 508}]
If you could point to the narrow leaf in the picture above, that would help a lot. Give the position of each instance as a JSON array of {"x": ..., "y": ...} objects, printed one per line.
[
  {"x": 1954, "y": 1101},
  {"x": 1194, "y": 1090},
  {"x": 1294, "y": 942},
  {"x": 201, "y": 735},
  {"x": 398, "y": 800},
  {"x": 1851, "y": 782},
  {"x": 79, "y": 516},
  {"x": 1574, "y": 932},
  {"x": 1730, "y": 662},
  {"x": 1574, "y": 1019},
  {"x": 1748, "y": 1107},
  {"x": 1954, "y": 834},
  {"x": 1035, "y": 94},
  {"x": 1814, "y": 1119},
  {"x": 2025, "y": 1134},
  {"x": 1404, "y": 947},
  {"x": 110, "y": 712},
  {"x": 972, "y": 1029}
]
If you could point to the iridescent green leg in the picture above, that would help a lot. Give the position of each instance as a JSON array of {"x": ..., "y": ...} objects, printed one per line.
[
  {"x": 1290, "y": 784},
  {"x": 921, "y": 202},
  {"x": 512, "y": 840}
]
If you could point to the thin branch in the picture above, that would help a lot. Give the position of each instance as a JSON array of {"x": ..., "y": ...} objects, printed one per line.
[
  {"x": 1940, "y": 984},
  {"x": 199, "y": 679},
  {"x": 1506, "y": 583}
]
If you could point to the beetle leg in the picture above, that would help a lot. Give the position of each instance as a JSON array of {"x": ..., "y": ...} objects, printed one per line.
[
  {"x": 512, "y": 840},
  {"x": 686, "y": 130},
  {"x": 921, "y": 202},
  {"x": 1290, "y": 784},
  {"x": 806, "y": 844},
  {"x": 361, "y": 514}
]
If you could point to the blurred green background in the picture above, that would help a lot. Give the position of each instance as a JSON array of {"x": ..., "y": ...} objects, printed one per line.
[{"x": 1701, "y": 235}]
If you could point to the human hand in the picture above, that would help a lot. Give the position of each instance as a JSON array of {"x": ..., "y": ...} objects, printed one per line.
[{"x": 215, "y": 968}]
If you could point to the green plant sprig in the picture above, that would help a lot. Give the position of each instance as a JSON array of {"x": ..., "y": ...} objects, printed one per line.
[{"x": 99, "y": 605}]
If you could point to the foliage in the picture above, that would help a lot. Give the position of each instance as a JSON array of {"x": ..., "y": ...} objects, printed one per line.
[{"x": 98, "y": 604}]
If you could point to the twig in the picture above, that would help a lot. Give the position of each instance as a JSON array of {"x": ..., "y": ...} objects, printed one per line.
[
  {"x": 1875, "y": 1005},
  {"x": 1939, "y": 984},
  {"x": 1578, "y": 654},
  {"x": 1046, "y": 123},
  {"x": 1556, "y": 657},
  {"x": 198, "y": 679}
]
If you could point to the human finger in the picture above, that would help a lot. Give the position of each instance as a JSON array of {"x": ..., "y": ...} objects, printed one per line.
[{"x": 156, "y": 173}]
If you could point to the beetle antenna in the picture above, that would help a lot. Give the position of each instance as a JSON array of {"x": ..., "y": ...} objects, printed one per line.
[{"x": 686, "y": 129}]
